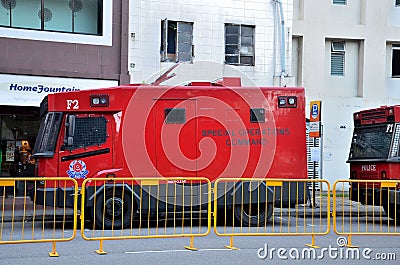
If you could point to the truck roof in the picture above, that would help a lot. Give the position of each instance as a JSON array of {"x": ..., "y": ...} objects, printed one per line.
[{"x": 118, "y": 97}]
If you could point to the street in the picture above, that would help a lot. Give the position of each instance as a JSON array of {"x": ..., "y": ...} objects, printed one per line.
[{"x": 252, "y": 250}]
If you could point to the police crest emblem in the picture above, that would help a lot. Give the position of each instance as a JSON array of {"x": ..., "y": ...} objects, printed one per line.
[{"x": 77, "y": 170}]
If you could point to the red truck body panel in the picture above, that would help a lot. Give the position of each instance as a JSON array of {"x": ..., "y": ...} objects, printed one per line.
[{"x": 212, "y": 133}]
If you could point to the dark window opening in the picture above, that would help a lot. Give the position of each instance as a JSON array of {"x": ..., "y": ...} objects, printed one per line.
[
  {"x": 396, "y": 62},
  {"x": 175, "y": 116},
  {"x": 339, "y": 2},
  {"x": 257, "y": 115},
  {"x": 176, "y": 41},
  {"x": 239, "y": 44}
]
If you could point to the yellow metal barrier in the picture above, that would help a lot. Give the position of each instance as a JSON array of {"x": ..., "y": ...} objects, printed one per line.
[
  {"x": 32, "y": 212},
  {"x": 127, "y": 208},
  {"x": 271, "y": 207},
  {"x": 365, "y": 207}
]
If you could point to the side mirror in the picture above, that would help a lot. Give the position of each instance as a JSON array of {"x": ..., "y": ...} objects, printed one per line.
[
  {"x": 70, "y": 141},
  {"x": 71, "y": 126},
  {"x": 69, "y": 131}
]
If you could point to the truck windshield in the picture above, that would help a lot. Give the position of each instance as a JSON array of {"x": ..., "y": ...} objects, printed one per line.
[
  {"x": 371, "y": 142},
  {"x": 48, "y": 133}
]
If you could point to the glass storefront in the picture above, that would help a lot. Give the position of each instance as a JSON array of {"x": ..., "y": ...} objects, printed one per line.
[
  {"x": 19, "y": 127},
  {"x": 72, "y": 16}
]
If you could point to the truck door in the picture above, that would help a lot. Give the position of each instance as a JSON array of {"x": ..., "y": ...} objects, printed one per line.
[
  {"x": 87, "y": 148},
  {"x": 175, "y": 138}
]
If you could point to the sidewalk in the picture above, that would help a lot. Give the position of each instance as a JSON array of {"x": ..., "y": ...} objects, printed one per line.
[
  {"x": 344, "y": 208},
  {"x": 23, "y": 209}
]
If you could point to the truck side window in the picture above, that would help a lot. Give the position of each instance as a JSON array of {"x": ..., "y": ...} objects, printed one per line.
[
  {"x": 257, "y": 115},
  {"x": 90, "y": 131},
  {"x": 176, "y": 115}
]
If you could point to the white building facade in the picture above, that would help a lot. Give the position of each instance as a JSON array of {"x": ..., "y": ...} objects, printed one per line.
[
  {"x": 50, "y": 47},
  {"x": 232, "y": 35},
  {"x": 346, "y": 54}
]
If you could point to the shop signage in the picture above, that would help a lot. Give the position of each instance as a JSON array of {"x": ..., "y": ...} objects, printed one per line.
[{"x": 18, "y": 90}]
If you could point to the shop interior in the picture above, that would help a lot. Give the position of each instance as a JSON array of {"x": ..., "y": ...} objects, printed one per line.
[{"x": 19, "y": 127}]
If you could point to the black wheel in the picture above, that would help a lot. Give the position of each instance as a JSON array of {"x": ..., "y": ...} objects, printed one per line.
[
  {"x": 253, "y": 214},
  {"x": 393, "y": 211},
  {"x": 113, "y": 209},
  {"x": 224, "y": 217}
]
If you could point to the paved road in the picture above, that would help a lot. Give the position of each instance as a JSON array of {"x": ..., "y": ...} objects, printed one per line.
[
  {"x": 211, "y": 251},
  {"x": 252, "y": 249}
]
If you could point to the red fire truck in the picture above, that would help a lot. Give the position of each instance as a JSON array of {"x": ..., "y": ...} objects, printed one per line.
[
  {"x": 199, "y": 130},
  {"x": 374, "y": 155}
]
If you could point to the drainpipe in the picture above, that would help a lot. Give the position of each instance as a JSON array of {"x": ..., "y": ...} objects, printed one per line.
[{"x": 283, "y": 54}]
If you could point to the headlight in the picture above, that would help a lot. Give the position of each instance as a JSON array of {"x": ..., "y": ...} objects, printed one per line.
[{"x": 99, "y": 101}]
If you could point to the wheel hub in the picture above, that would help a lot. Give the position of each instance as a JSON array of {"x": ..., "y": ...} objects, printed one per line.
[{"x": 114, "y": 206}]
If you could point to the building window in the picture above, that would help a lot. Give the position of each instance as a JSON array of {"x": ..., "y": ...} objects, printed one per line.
[
  {"x": 396, "y": 60},
  {"x": 337, "y": 58},
  {"x": 397, "y": 3},
  {"x": 239, "y": 44},
  {"x": 176, "y": 41},
  {"x": 339, "y": 2},
  {"x": 71, "y": 16}
]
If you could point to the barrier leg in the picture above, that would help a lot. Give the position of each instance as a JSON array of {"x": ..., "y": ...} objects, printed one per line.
[
  {"x": 53, "y": 252},
  {"x": 100, "y": 251},
  {"x": 312, "y": 245},
  {"x": 191, "y": 247},
  {"x": 231, "y": 244},
  {"x": 349, "y": 245}
]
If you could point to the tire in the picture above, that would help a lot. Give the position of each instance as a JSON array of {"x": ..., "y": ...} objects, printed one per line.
[
  {"x": 253, "y": 214},
  {"x": 393, "y": 211},
  {"x": 225, "y": 216},
  {"x": 113, "y": 209}
]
